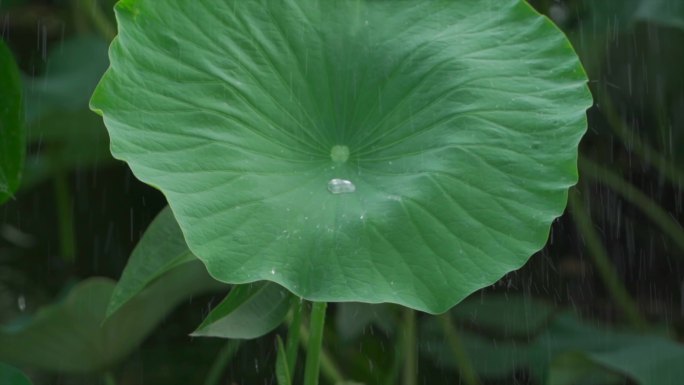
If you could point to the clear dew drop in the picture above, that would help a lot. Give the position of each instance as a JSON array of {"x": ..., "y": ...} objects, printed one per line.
[
  {"x": 341, "y": 186},
  {"x": 21, "y": 303}
]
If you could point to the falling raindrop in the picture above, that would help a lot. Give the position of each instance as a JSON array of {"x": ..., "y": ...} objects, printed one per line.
[
  {"x": 21, "y": 303},
  {"x": 341, "y": 186}
]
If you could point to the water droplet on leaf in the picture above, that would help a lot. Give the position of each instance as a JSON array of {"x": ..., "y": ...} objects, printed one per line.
[{"x": 341, "y": 186}]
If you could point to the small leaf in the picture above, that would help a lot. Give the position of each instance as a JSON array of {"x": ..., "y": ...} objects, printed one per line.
[
  {"x": 73, "y": 336},
  {"x": 283, "y": 375},
  {"x": 161, "y": 249},
  {"x": 249, "y": 311},
  {"x": 12, "y": 140},
  {"x": 12, "y": 376}
]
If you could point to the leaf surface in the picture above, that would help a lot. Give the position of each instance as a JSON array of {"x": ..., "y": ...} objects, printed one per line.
[
  {"x": 12, "y": 140},
  {"x": 249, "y": 311},
  {"x": 406, "y": 152}
]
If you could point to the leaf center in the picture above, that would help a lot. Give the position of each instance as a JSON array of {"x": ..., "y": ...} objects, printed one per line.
[{"x": 339, "y": 153}]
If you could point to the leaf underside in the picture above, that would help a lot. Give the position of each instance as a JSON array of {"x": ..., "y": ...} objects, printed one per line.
[{"x": 457, "y": 122}]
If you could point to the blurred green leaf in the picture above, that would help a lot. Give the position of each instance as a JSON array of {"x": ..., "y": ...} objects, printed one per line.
[
  {"x": 249, "y": 311},
  {"x": 352, "y": 318},
  {"x": 72, "y": 72},
  {"x": 7, "y": 4},
  {"x": 648, "y": 360},
  {"x": 491, "y": 357},
  {"x": 552, "y": 352},
  {"x": 509, "y": 320},
  {"x": 576, "y": 369},
  {"x": 60, "y": 126},
  {"x": 12, "y": 137},
  {"x": 645, "y": 359},
  {"x": 161, "y": 249},
  {"x": 73, "y": 335},
  {"x": 65, "y": 141},
  {"x": 666, "y": 12},
  {"x": 626, "y": 13},
  {"x": 508, "y": 315},
  {"x": 12, "y": 376}
]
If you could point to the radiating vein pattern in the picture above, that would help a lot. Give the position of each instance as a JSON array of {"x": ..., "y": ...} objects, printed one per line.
[{"x": 350, "y": 150}]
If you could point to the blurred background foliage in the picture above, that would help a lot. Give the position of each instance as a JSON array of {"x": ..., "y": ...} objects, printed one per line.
[{"x": 601, "y": 304}]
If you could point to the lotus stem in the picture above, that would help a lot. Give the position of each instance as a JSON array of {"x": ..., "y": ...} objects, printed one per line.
[
  {"x": 313, "y": 354},
  {"x": 410, "y": 348},
  {"x": 292, "y": 345}
]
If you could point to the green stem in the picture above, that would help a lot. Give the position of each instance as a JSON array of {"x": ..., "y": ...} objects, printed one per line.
[
  {"x": 224, "y": 356},
  {"x": 328, "y": 367},
  {"x": 410, "y": 348},
  {"x": 65, "y": 217},
  {"x": 602, "y": 262},
  {"x": 397, "y": 363},
  {"x": 108, "y": 378},
  {"x": 313, "y": 354},
  {"x": 633, "y": 195},
  {"x": 649, "y": 155},
  {"x": 291, "y": 347},
  {"x": 465, "y": 365}
]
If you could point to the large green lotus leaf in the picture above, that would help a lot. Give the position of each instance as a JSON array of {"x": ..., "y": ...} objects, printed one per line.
[
  {"x": 11, "y": 126},
  {"x": 406, "y": 151}
]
